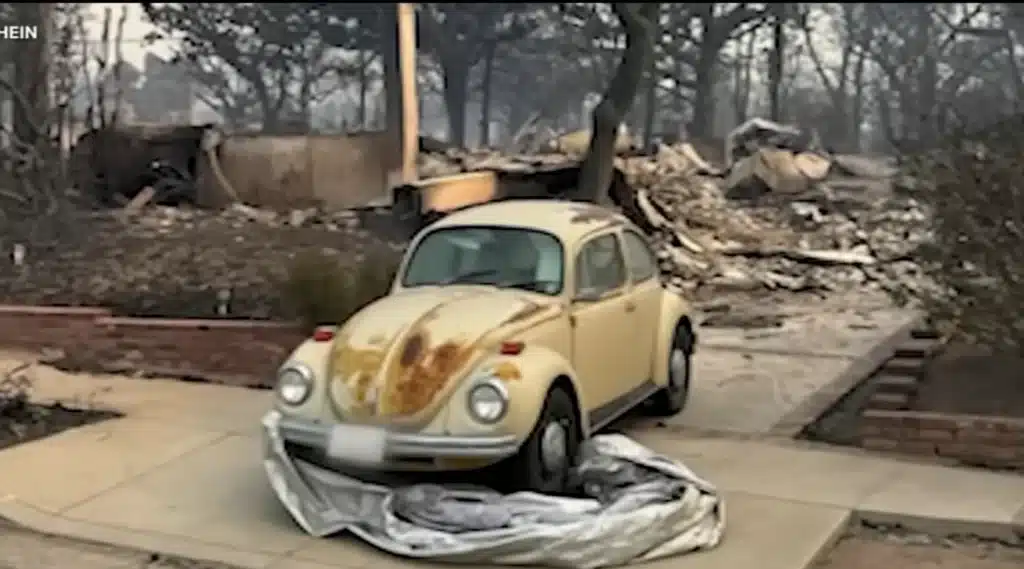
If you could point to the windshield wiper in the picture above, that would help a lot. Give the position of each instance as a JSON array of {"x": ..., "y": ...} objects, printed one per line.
[
  {"x": 533, "y": 284},
  {"x": 467, "y": 275}
]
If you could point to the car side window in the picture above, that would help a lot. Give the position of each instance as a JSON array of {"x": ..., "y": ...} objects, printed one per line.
[
  {"x": 641, "y": 261},
  {"x": 600, "y": 266}
]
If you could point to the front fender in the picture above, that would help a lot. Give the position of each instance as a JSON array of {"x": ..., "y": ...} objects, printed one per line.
[
  {"x": 527, "y": 378},
  {"x": 313, "y": 355},
  {"x": 674, "y": 309}
]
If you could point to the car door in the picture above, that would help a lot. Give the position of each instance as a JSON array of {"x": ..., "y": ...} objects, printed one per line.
[
  {"x": 603, "y": 321},
  {"x": 645, "y": 291}
]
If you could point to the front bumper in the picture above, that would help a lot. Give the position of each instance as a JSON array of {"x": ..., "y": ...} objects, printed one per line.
[{"x": 398, "y": 447}]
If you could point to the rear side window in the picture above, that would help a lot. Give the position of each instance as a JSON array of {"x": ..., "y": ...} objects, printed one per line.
[
  {"x": 600, "y": 267},
  {"x": 642, "y": 263}
]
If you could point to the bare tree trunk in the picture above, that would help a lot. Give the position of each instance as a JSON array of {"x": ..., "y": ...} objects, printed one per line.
[
  {"x": 678, "y": 99},
  {"x": 854, "y": 126},
  {"x": 102, "y": 64},
  {"x": 885, "y": 115},
  {"x": 119, "y": 66},
  {"x": 741, "y": 79},
  {"x": 927, "y": 80},
  {"x": 392, "y": 76},
  {"x": 31, "y": 94},
  {"x": 518, "y": 114},
  {"x": 485, "y": 99},
  {"x": 703, "y": 99},
  {"x": 650, "y": 106},
  {"x": 597, "y": 167},
  {"x": 775, "y": 61},
  {"x": 456, "y": 95},
  {"x": 364, "y": 88}
]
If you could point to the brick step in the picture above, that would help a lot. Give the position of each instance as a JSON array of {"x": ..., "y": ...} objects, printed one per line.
[
  {"x": 913, "y": 367},
  {"x": 889, "y": 401},
  {"x": 917, "y": 348},
  {"x": 896, "y": 383}
]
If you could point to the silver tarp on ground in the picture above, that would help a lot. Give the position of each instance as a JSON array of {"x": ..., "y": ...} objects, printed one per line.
[{"x": 640, "y": 506}]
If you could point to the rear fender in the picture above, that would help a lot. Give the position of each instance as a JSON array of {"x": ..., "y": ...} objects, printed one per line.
[{"x": 674, "y": 310}]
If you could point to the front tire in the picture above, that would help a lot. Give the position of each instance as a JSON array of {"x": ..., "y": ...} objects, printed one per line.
[
  {"x": 545, "y": 460},
  {"x": 671, "y": 399}
]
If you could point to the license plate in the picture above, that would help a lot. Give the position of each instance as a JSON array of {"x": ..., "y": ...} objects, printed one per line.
[{"x": 357, "y": 444}]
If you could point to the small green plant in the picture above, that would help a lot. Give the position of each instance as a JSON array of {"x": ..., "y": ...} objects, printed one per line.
[
  {"x": 15, "y": 388},
  {"x": 323, "y": 289}
]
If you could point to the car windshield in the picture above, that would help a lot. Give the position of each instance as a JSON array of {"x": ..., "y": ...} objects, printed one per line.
[{"x": 500, "y": 256}]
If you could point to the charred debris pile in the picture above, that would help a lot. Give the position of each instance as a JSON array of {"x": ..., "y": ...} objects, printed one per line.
[
  {"x": 777, "y": 213},
  {"x": 774, "y": 213}
]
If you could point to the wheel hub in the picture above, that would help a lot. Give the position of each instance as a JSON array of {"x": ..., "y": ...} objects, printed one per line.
[
  {"x": 677, "y": 369},
  {"x": 553, "y": 443}
]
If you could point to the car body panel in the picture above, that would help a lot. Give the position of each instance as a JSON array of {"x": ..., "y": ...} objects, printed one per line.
[
  {"x": 675, "y": 311},
  {"x": 602, "y": 341},
  {"x": 397, "y": 360},
  {"x": 407, "y": 362}
]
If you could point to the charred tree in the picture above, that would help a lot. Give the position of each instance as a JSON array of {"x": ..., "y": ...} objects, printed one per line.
[{"x": 639, "y": 24}]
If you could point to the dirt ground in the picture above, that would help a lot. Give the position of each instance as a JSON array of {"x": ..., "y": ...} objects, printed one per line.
[
  {"x": 966, "y": 379},
  {"x": 30, "y": 422},
  {"x": 167, "y": 261},
  {"x": 872, "y": 549},
  {"x": 21, "y": 549},
  {"x": 22, "y": 421}
]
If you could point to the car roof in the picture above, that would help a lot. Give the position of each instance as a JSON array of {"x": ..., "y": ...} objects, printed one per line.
[{"x": 567, "y": 220}]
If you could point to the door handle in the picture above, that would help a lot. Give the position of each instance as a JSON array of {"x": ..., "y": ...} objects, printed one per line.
[{"x": 630, "y": 306}]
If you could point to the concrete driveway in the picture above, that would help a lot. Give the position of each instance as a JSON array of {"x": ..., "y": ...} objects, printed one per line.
[{"x": 180, "y": 473}]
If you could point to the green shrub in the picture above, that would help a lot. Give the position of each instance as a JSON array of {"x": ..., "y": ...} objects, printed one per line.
[
  {"x": 974, "y": 187},
  {"x": 322, "y": 288}
]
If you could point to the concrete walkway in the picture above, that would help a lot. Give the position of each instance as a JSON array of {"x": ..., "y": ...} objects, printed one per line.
[
  {"x": 773, "y": 381},
  {"x": 180, "y": 475}
]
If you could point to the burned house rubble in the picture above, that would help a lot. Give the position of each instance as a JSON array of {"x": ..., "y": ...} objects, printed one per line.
[{"x": 778, "y": 215}]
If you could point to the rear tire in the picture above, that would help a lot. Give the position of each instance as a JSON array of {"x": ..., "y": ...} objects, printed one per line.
[
  {"x": 671, "y": 399},
  {"x": 545, "y": 460}
]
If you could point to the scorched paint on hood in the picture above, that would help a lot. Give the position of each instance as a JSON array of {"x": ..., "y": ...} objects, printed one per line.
[{"x": 396, "y": 356}]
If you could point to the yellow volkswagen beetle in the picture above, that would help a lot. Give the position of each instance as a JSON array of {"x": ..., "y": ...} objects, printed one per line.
[{"x": 513, "y": 330}]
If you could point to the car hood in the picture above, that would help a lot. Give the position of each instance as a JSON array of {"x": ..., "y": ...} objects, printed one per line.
[{"x": 398, "y": 358}]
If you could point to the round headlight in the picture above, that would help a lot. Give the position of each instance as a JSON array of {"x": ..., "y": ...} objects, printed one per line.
[
  {"x": 488, "y": 402},
  {"x": 294, "y": 384}
]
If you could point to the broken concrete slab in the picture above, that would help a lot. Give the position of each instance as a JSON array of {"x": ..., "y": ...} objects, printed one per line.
[
  {"x": 757, "y": 133},
  {"x": 814, "y": 167},
  {"x": 776, "y": 170},
  {"x": 864, "y": 166}
]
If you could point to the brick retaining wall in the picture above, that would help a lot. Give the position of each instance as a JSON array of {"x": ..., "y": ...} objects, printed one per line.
[
  {"x": 993, "y": 442},
  {"x": 236, "y": 352}
]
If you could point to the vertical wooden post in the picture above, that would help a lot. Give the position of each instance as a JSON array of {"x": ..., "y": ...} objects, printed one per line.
[
  {"x": 400, "y": 86},
  {"x": 410, "y": 103}
]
